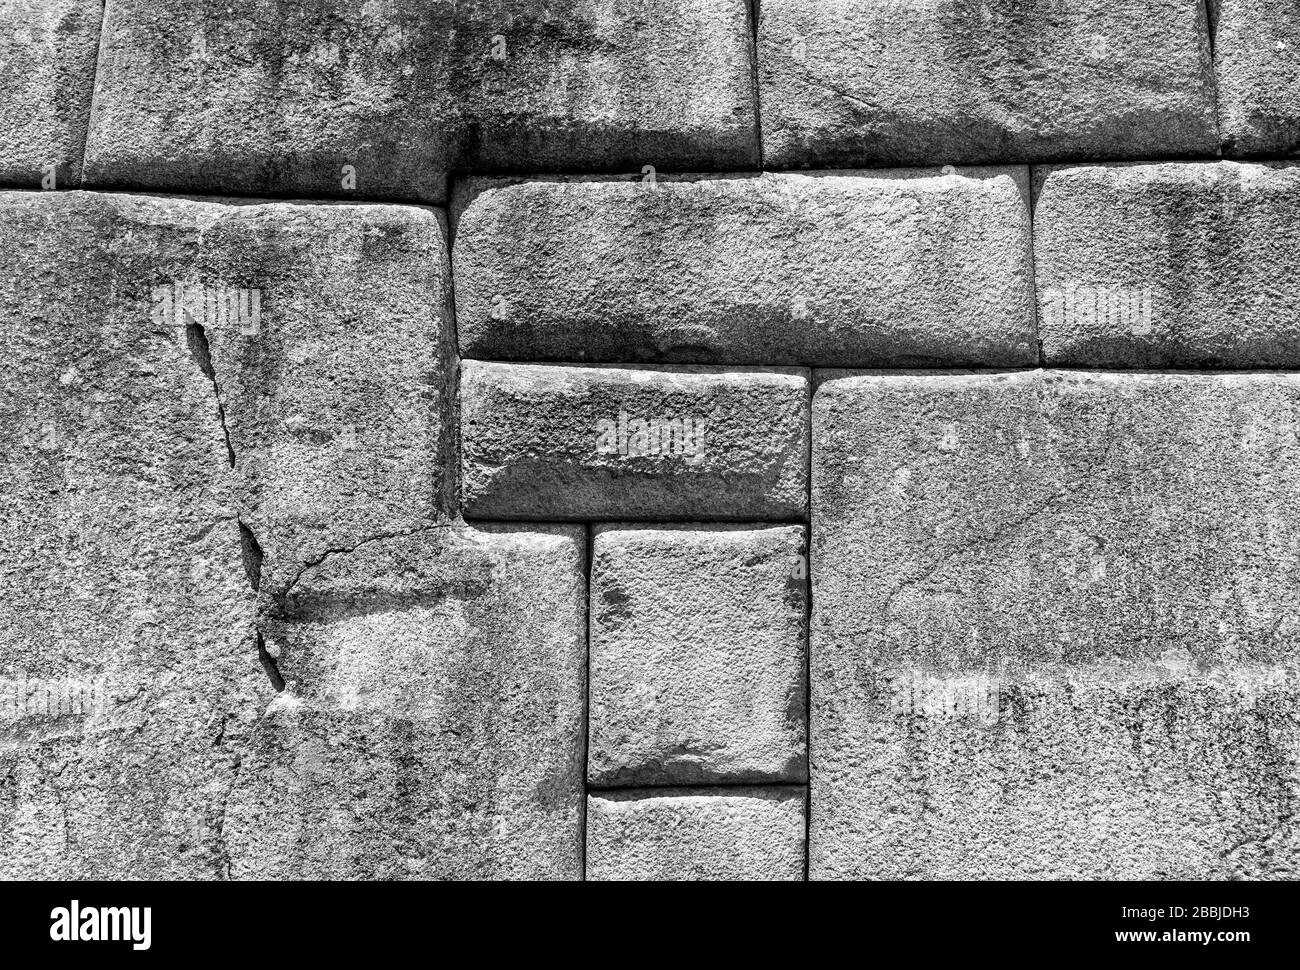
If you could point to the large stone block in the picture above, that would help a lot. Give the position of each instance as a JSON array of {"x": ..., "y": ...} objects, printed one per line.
[
  {"x": 382, "y": 99},
  {"x": 542, "y": 442},
  {"x": 890, "y": 268},
  {"x": 698, "y": 640},
  {"x": 711, "y": 834},
  {"x": 47, "y": 74},
  {"x": 1052, "y": 625},
  {"x": 1257, "y": 67},
  {"x": 129, "y": 673},
  {"x": 433, "y": 720},
  {"x": 1170, "y": 264},
  {"x": 915, "y": 82},
  {"x": 338, "y": 395},
  {"x": 324, "y": 333}
]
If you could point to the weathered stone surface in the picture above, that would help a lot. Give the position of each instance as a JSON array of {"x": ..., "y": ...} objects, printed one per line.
[
  {"x": 1170, "y": 264},
  {"x": 324, "y": 329},
  {"x": 339, "y": 406},
  {"x": 914, "y": 82},
  {"x": 251, "y": 96},
  {"x": 1077, "y": 777},
  {"x": 1257, "y": 67},
  {"x": 1052, "y": 625},
  {"x": 542, "y": 442},
  {"x": 713, "y": 834},
  {"x": 129, "y": 673},
  {"x": 883, "y": 268},
  {"x": 47, "y": 73},
  {"x": 698, "y": 638},
  {"x": 433, "y": 720}
]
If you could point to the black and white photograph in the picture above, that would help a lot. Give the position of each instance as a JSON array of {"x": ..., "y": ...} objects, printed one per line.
[{"x": 649, "y": 441}]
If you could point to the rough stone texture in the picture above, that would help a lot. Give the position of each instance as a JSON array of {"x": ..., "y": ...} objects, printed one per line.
[
  {"x": 541, "y": 442},
  {"x": 1053, "y": 629},
  {"x": 255, "y": 96},
  {"x": 336, "y": 395},
  {"x": 715, "y": 834},
  {"x": 433, "y": 720},
  {"x": 339, "y": 408},
  {"x": 698, "y": 638},
  {"x": 47, "y": 73},
  {"x": 883, "y": 268},
  {"x": 1167, "y": 265},
  {"x": 129, "y": 674},
  {"x": 1072, "y": 778},
  {"x": 915, "y": 82},
  {"x": 1257, "y": 67}
]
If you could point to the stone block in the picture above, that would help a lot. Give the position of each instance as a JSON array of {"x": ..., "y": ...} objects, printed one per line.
[
  {"x": 543, "y": 442},
  {"x": 1257, "y": 70},
  {"x": 712, "y": 834},
  {"x": 882, "y": 268},
  {"x": 47, "y": 74},
  {"x": 1052, "y": 625},
  {"x": 844, "y": 83},
  {"x": 698, "y": 638},
  {"x": 1168, "y": 265},
  {"x": 380, "y": 100}
]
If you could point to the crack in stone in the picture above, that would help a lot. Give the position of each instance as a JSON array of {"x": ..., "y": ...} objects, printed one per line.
[
  {"x": 347, "y": 550},
  {"x": 253, "y": 556},
  {"x": 269, "y": 664},
  {"x": 196, "y": 338}
]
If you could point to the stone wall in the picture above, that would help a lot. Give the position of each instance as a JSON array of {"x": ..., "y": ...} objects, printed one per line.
[{"x": 623, "y": 439}]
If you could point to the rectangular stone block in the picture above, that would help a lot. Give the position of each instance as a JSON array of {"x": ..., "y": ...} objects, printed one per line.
[
  {"x": 47, "y": 74},
  {"x": 543, "y": 442},
  {"x": 698, "y": 638},
  {"x": 1257, "y": 70},
  {"x": 1052, "y": 625},
  {"x": 890, "y": 268},
  {"x": 432, "y": 724},
  {"x": 914, "y": 82},
  {"x": 1172, "y": 264},
  {"x": 129, "y": 673},
  {"x": 381, "y": 100},
  {"x": 713, "y": 834},
  {"x": 322, "y": 332}
]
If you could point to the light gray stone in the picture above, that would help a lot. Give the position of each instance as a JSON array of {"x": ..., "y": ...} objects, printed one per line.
[
  {"x": 47, "y": 74},
  {"x": 543, "y": 442},
  {"x": 890, "y": 268},
  {"x": 251, "y": 97},
  {"x": 432, "y": 724},
  {"x": 1052, "y": 628},
  {"x": 129, "y": 673},
  {"x": 1169, "y": 264},
  {"x": 1257, "y": 69},
  {"x": 714, "y": 834},
  {"x": 325, "y": 332},
  {"x": 171, "y": 449},
  {"x": 698, "y": 638},
  {"x": 914, "y": 82},
  {"x": 340, "y": 404},
  {"x": 1078, "y": 777}
]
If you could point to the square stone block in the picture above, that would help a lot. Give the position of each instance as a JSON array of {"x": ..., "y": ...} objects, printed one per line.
[{"x": 697, "y": 655}]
